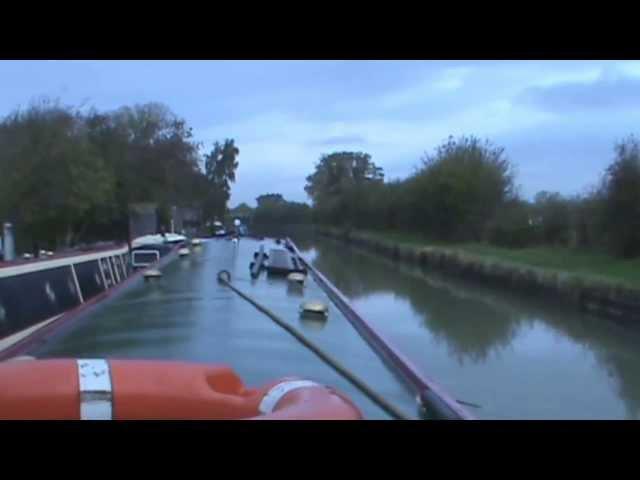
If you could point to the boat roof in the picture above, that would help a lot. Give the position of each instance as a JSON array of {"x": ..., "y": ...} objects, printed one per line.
[
  {"x": 157, "y": 239},
  {"x": 21, "y": 265}
]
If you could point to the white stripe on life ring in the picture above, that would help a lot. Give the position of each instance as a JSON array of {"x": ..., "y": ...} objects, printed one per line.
[
  {"x": 273, "y": 396},
  {"x": 95, "y": 389}
]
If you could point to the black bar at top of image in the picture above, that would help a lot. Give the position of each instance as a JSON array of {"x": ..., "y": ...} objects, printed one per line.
[{"x": 430, "y": 31}]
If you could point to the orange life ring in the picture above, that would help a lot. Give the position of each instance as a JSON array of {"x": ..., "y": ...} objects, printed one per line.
[{"x": 68, "y": 389}]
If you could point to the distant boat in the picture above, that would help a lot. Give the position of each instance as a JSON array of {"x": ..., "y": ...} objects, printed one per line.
[
  {"x": 158, "y": 239},
  {"x": 219, "y": 230}
]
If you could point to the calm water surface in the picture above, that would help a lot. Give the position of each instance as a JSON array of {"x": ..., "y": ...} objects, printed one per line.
[{"x": 517, "y": 358}]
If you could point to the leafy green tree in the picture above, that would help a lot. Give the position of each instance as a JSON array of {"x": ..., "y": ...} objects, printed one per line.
[
  {"x": 460, "y": 187},
  {"x": 220, "y": 167},
  {"x": 338, "y": 171},
  {"x": 621, "y": 194},
  {"x": 338, "y": 183},
  {"x": 588, "y": 219},
  {"x": 52, "y": 173},
  {"x": 273, "y": 209},
  {"x": 553, "y": 216},
  {"x": 243, "y": 211},
  {"x": 513, "y": 225},
  {"x": 70, "y": 176},
  {"x": 270, "y": 199},
  {"x": 153, "y": 157}
]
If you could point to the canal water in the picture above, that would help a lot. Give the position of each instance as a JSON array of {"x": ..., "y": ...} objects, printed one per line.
[
  {"x": 188, "y": 316},
  {"x": 516, "y": 357}
]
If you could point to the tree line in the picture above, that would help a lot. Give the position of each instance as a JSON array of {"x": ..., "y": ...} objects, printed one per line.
[
  {"x": 272, "y": 209},
  {"x": 465, "y": 191},
  {"x": 69, "y": 175}
]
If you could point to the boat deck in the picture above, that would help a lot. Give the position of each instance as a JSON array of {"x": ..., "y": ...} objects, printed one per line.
[{"x": 187, "y": 315}]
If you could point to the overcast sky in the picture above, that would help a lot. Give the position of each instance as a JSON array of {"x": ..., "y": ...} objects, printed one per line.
[{"x": 558, "y": 120}]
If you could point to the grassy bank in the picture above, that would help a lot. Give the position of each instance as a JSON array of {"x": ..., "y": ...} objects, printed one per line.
[
  {"x": 593, "y": 282},
  {"x": 571, "y": 272},
  {"x": 592, "y": 266}
]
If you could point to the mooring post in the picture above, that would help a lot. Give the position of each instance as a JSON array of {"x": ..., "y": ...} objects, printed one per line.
[{"x": 8, "y": 242}]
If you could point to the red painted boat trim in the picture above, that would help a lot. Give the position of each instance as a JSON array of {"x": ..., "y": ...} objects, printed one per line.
[
  {"x": 22, "y": 346},
  {"x": 412, "y": 375}
]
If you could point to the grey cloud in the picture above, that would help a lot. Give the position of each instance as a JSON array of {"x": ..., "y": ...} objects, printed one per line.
[
  {"x": 619, "y": 93},
  {"x": 568, "y": 157}
]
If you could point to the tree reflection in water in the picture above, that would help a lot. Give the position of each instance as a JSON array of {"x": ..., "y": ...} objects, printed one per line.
[
  {"x": 471, "y": 329},
  {"x": 476, "y": 320}
]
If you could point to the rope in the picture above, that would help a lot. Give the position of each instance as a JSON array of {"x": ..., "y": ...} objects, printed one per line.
[
  {"x": 468, "y": 404},
  {"x": 224, "y": 277},
  {"x": 294, "y": 249}
]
